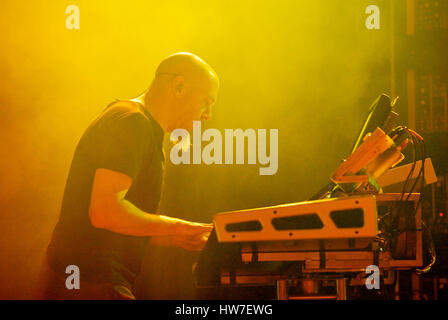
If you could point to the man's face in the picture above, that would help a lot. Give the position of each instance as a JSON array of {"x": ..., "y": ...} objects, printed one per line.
[{"x": 196, "y": 103}]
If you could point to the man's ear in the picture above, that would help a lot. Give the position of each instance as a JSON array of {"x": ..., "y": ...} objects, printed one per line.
[{"x": 179, "y": 86}]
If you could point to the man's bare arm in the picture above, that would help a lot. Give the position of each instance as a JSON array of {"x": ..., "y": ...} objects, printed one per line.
[{"x": 109, "y": 210}]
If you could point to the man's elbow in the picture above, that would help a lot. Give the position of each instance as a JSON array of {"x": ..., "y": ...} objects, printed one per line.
[{"x": 97, "y": 216}]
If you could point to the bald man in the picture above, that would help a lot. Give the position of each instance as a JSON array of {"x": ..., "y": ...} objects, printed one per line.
[{"x": 108, "y": 212}]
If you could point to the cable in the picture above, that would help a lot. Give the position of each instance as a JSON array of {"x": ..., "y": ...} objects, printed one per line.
[
  {"x": 399, "y": 205},
  {"x": 422, "y": 172},
  {"x": 432, "y": 251},
  {"x": 392, "y": 233},
  {"x": 417, "y": 138},
  {"x": 432, "y": 248},
  {"x": 422, "y": 169}
]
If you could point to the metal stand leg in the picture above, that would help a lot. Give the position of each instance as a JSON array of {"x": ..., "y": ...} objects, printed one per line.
[
  {"x": 341, "y": 289},
  {"x": 416, "y": 287},
  {"x": 435, "y": 282},
  {"x": 397, "y": 285},
  {"x": 282, "y": 292}
]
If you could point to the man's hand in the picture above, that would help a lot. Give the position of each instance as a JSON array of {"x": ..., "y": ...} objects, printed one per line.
[{"x": 191, "y": 236}]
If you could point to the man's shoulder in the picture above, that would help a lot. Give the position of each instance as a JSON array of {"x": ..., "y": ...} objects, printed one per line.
[
  {"x": 124, "y": 108},
  {"x": 123, "y": 113}
]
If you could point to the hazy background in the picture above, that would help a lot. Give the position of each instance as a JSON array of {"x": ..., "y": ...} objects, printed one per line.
[{"x": 307, "y": 68}]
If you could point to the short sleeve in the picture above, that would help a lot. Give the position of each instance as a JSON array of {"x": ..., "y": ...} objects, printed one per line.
[{"x": 122, "y": 144}]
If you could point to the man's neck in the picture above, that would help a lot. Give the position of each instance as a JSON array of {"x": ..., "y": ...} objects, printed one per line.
[{"x": 145, "y": 101}]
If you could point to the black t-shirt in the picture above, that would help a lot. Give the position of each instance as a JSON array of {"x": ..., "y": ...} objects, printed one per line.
[{"x": 127, "y": 139}]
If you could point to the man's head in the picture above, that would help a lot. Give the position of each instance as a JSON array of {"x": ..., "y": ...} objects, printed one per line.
[{"x": 186, "y": 88}]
